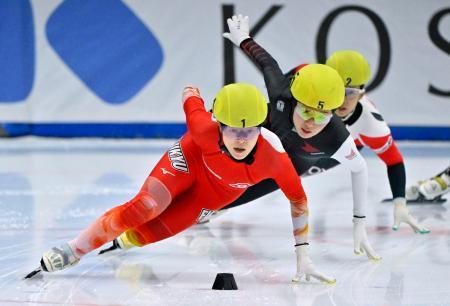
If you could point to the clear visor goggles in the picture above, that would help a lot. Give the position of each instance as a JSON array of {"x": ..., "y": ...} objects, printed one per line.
[
  {"x": 307, "y": 113},
  {"x": 353, "y": 92},
  {"x": 240, "y": 133}
]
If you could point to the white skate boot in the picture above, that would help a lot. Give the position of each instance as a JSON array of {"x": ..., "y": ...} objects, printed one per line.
[
  {"x": 431, "y": 190},
  {"x": 58, "y": 259},
  {"x": 435, "y": 187}
]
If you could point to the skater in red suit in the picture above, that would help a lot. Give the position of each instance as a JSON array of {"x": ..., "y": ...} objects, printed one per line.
[{"x": 220, "y": 156}]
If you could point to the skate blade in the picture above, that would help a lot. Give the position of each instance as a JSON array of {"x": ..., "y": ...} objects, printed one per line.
[
  {"x": 33, "y": 273},
  {"x": 107, "y": 250},
  {"x": 439, "y": 201}
]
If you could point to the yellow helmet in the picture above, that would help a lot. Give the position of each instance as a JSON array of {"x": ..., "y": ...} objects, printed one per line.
[
  {"x": 240, "y": 105},
  {"x": 318, "y": 86},
  {"x": 351, "y": 66}
]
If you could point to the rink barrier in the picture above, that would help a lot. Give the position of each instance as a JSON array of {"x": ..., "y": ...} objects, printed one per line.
[
  {"x": 172, "y": 130},
  {"x": 438, "y": 133},
  {"x": 103, "y": 130}
]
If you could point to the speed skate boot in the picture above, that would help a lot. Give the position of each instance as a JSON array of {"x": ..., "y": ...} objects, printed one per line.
[
  {"x": 431, "y": 189},
  {"x": 435, "y": 187},
  {"x": 58, "y": 259}
]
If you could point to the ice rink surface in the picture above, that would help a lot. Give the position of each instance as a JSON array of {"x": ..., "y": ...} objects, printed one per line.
[{"x": 52, "y": 189}]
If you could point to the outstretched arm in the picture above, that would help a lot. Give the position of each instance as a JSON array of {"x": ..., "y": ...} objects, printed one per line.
[
  {"x": 300, "y": 215},
  {"x": 204, "y": 130},
  {"x": 239, "y": 35},
  {"x": 350, "y": 158},
  {"x": 374, "y": 132},
  {"x": 290, "y": 183}
]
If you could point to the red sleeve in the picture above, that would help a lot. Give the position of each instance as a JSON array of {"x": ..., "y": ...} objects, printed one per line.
[
  {"x": 288, "y": 180},
  {"x": 204, "y": 130},
  {"x": 385, "y": 148},
  {"x": 391, "y": 156}
]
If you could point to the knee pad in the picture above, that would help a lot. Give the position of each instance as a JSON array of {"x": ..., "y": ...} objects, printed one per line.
[
  {"x": 158, "y": 190},
  {"x": 149, "y": 203}
]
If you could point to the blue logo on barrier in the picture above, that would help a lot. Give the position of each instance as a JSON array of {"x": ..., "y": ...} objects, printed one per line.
[
  {"x": 16, "y": 50},
  {"x": 106, "y": 46}
]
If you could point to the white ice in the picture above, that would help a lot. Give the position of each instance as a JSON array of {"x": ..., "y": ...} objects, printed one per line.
[{"x": 51, "y": 189}]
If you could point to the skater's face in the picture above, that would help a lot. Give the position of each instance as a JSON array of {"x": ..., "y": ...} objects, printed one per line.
[
  {"x": 240, "y": 141},
  {"x": 309, "y": 121},
  {"x": 352, "y": 96}
]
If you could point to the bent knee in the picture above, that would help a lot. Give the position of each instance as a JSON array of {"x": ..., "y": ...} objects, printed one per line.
[
  {"x": 157, "y": 190},
  {"x": 142, "y": 208},
  {"x": 150, "y": 202}
]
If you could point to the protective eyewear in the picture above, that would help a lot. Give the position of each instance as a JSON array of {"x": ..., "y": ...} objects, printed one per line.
[
  {"x": 352, "y": 92},
  {"x": 240, "y": 133},
  {"x": 306, "y": 114}
]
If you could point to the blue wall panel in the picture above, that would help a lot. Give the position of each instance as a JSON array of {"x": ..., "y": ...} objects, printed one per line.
[
  {"x": 17, "y": 50},
  {"x": 106, "y": 46}
]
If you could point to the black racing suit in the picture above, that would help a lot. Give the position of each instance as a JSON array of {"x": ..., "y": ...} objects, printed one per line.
[
  {"x": 396, "y": 171},
  {"x": 309, "y": 156}
]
